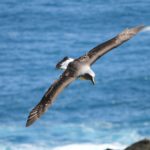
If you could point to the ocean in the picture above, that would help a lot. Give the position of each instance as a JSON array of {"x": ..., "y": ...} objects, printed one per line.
[{"x": 35, "y": 35}]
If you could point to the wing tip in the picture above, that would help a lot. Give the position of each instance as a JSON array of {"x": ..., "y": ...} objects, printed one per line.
[
  {"x": 130, "y": 32},
  {"x": 32, "y": 118},
  {"x": 139, "y": 28},
  {"x": 134, "y": 30},
  {"x": 35, "y": 114},
  {"x": 28, "y": 124},
  {"x": 30, "y": 121}
]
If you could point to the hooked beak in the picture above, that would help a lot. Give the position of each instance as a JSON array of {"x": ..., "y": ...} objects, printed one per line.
[{"x": 93, "y": 81}]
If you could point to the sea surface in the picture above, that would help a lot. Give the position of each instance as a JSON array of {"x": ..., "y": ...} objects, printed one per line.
[{"x": 35, "y": 35}]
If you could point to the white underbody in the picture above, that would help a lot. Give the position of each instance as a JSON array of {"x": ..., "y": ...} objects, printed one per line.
[{"x": 85, "y": 69}]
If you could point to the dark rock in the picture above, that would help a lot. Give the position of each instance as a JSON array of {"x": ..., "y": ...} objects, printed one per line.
[{"x": 140, "y": 145}]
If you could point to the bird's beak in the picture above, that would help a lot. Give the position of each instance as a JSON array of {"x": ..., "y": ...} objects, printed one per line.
[{"x": 93, "y": 81}]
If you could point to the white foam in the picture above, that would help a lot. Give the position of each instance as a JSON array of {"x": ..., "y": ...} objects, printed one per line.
[
  {"x": 89, "y": 146},
  {"x": 146, "y": 29},
  {"x": 10, "y": 146}
]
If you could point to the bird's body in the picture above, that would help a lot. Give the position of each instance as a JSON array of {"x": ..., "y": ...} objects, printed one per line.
[
  {"x": 84, "y": 70},
  {"x": 78, "y": 68}
]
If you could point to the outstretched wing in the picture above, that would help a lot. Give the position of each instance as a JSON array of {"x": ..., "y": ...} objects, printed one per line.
[
  {"x": 65, "y": 79},
  {"x": 103, "y": 48}
]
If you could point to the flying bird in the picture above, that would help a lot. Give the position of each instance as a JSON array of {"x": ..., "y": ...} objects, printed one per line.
[{"x": 78, "y": 68}]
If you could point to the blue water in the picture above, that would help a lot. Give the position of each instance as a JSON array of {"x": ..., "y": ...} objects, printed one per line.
[{"x": 35, "y": 35}]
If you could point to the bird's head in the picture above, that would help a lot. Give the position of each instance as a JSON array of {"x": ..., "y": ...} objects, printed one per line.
[
  {"x": 63, "y": 64},
  {"x": 90, "y": 76},
  {"x": 92, "y": 79}
]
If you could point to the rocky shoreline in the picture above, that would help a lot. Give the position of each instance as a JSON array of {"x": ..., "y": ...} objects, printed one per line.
[{"x": 140, "y": 145}]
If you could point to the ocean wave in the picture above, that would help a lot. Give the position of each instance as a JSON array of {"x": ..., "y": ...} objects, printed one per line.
[
  {"x": 87, "y": 146},
  {"x": 146, "y": 29},
  {"x": 76, "y": 137},
  {"x": 10, "y": 146}
]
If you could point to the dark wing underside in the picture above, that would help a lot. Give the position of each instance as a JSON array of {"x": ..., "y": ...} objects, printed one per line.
[
  {"x": 48, "y": 98},
  {"x": 103, "y": 48}
]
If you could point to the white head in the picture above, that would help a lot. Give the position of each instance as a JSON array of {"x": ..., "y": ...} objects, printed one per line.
[
  {"x": 91, "y": 75},
  {"x": 63, "y": 64},
  {"x": 87, "y": 73}
]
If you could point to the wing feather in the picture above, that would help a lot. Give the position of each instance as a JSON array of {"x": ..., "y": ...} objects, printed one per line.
[
  {"x": 65, "y": 79},
  {"x": 103, "y": 48}
]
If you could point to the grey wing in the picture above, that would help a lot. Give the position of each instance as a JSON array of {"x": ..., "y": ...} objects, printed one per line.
[
  {"x": 103, "y": 48},
  {"x": 50, "y": 96}
]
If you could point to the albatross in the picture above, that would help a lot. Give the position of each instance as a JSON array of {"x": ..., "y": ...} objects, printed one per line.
[{"x": 78, "y": 68}]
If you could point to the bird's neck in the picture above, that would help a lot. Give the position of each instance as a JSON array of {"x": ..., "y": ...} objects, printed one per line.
[{"x": 86, "y": 69}]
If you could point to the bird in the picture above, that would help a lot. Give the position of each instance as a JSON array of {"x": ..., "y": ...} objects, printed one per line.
[{"x": 79, "y": 68}]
